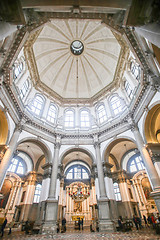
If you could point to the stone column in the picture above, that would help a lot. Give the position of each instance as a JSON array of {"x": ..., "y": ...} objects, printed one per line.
[
  {"x": 105, "y": 223},
  {"x": 47, "y": 167},
  {"x": 9, "y": 153},
  {"x": 6, "y": 29},
  {"x": 26, "y": 212},
  {"x": 60, "y": 204},
  {"x": 151, "y": 31},
  {"x": 137, "y": 195},
  {"x": 126, "y": 199},
  {"x": 52, "y": 203},
  {"x": 151, "y": 171}
]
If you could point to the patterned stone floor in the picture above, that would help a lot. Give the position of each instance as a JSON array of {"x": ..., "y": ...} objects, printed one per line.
[{"x": 144, "y": 234}]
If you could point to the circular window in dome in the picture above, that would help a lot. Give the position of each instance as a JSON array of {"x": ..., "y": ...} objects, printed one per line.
[{"x": 77, "y": 47}]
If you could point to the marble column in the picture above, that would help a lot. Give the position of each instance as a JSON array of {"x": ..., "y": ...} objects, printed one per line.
[
  {"x": 105, "y": 223},
  {"x": 28, "y": 201},
  {"x": 126, "y": 199},
  {"x": 60, "y": 204},
  {"x": 50, "y": 224},
  {"x": 151, "y": 171},
  {"x": 6, "y": 29},
  {"x": 8, "y": 154}
]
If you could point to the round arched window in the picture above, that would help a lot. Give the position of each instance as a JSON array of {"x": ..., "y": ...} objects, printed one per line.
[
  {"x": 77, "y": 172},
  {"x": 135, "y": 163},
  {"x": 17, "y": 165}
]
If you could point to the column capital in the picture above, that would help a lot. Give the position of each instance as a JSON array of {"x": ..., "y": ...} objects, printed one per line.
[
  {"x": 96, "y": 144},
  {"x": 47, "y": 167},
  {"x": 57, "y": 145},
  {"x": 134, "y": 126},
  {"x": 19, "y": 127},
  {"x": 154, "y": 82}
]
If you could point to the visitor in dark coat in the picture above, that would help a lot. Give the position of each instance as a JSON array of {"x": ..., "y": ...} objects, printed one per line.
[
  {"x": 3, "y": 227},
  {"x": 135, "y": 221}
]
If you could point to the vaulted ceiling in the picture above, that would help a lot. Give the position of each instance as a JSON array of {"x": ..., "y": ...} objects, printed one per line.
[{"x": 69, "y": 74}]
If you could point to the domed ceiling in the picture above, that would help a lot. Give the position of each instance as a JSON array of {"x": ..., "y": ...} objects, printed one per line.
[{"x": 76, "y": 58}]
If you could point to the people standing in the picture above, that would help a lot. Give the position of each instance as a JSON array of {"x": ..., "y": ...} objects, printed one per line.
[
  {"x": 139, "y": 222},
  {"x": 120, "y": 223},
  {"x": 79, "y": 223},
  {"x": 135, "y": 221},
  {"x": 64, "y": 225},
  {"x": 3, "y": 227},
  {"x": 149, "y": 219},
  {"x": 158, "y": 217},
  {"x": 82, "y": 223},
  {"x": 153, "y": 220},
  {"x": 145, "y": 221},
  {"x": 10, "y": 226}
]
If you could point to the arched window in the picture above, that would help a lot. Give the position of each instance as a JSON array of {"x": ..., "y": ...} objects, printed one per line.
[
  {"x": 116, "y": 105},
  {"x": 135, "y": 163},
  {"x": 84, "y": 119},
  {"x": 24, "y": 89},
  {"x": 52, "y": 113},
  {"x": 37, "y": 193},
  {"x": 17, "y": 166},
  {"x": 18, "y": 69},
  {"x": 69, "y": 118},
  {"x": 101, "y": 112},
  {"x": 128, "y": 89},
  {"x": 37, "y": 105},
  {"x": 135, "y": 70},
  {"x": 77, "y": 172},
  {"x": 117, "y": 192}
]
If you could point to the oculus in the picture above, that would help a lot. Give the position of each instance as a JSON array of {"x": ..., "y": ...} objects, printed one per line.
[{"x": 77, "y": 47}]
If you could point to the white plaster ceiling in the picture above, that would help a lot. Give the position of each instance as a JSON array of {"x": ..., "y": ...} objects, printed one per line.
[{"x": 73, "y": 76}]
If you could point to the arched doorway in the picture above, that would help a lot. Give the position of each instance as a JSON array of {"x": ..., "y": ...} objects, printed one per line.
[{"x": 77, "y": 199}]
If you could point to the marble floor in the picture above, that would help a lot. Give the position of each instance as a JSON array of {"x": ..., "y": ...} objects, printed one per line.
[{"x": 144, "y": 234}]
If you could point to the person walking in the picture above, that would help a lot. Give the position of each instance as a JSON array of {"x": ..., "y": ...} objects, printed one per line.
[{"x": 3, "y": 227}]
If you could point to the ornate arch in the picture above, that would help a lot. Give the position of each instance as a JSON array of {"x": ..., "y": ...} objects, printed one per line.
[{"x": 41, "y": 144}]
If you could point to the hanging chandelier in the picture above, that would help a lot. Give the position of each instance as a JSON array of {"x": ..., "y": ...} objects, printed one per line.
[{"x": 80, "y": 194}]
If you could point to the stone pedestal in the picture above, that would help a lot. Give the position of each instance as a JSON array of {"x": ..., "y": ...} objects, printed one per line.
[
  {"x": 105, "y": 224},
  {"x": 50, "y": 224},
  {"x": 156, "y": 196}
]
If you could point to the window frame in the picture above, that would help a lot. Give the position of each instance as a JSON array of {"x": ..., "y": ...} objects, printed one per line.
[
  {"x": 73, "y": 121},
  {"x": 37, "y": 193},
  {"x": 135, "y": 70},
  {"x": 56, "y": 114},
  {"x": 115, "y": 102},
  {"x": 80, "y": 166},
  {"x": 104, "y": 114},
  {"x": 128, "y": 89},
  {"x": 80, "y": 119},
  {"x": 20, "y": 161},
  {"x": 136, "y": 164},
  {"x": 35, "y": 107},
  {"x": 117, "y": 191},
  {"x": 25, "y": 88}
]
